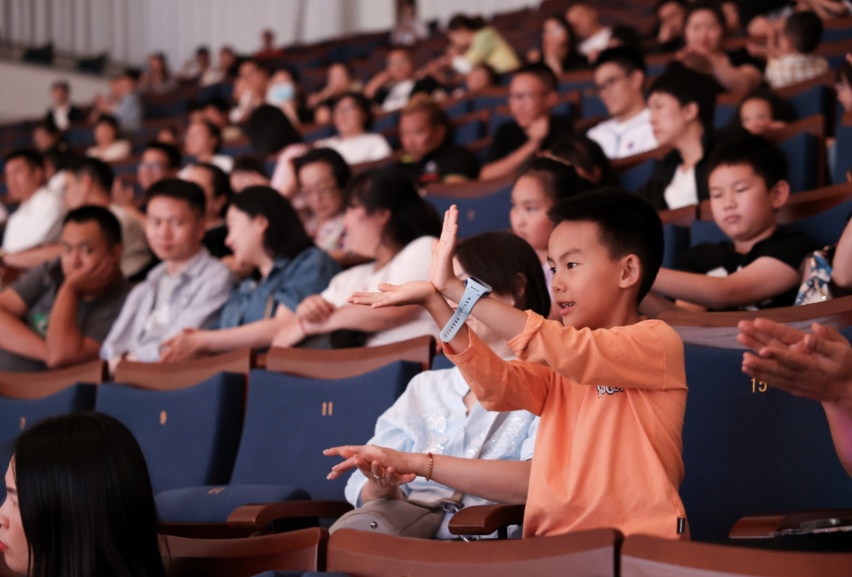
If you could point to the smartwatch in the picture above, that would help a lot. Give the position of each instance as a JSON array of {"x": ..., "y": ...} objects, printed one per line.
[{"x": 474, "y": 290}]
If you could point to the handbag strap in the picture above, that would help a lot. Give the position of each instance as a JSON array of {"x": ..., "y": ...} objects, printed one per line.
[{"x": 495, "y": 424}]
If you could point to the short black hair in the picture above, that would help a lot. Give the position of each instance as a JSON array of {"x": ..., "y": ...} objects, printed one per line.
[
  {"x": 386, "y": 189},
  {"x": 626, "y": 36},
  {"x": 804, "y": 30},
  {"x": 627, "y": 224},
  {"x": 31, "y": 156},
  {"x": 102, "y": 216},
  {"x": 465, "y": 22},
  {"x": 285, "y": 236},
  {"x": 179, "y": 189},
  {"x": 542, "y": 72},
  {"x": 218, "y": 103},
  {"x": 585, "y": 154},
  {"x": 627, "y": 58},
  {"x": 498, "y": 258},
  {"x": 48, "y": 125},
  {"x": 108, "y": 119},
  {"x": 557, "y": 176},
  {"x": 171, "y": 152},
  {"x": 339, "y": 169},
  {"x": 96, "y": 169},
  {"x": 762, "y": 155},
  {"x": 249, "y": 163},
  {"x": 709, "y": 5},
  {"x": 688, "y": 86},
  {"x": 781, "y": 109},
  {"x": 361, "y": 102}
]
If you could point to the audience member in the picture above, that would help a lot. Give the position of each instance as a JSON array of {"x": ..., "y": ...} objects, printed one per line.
[
  {"x": 682, "y": 106},
  {"x": 593, "y": 35},
  {"x": 283, "y": 92},
  {"x": 38, "y": 218},
  {"x": 46, "y": 135},
  {"x": 670, "y": 16},
  {"x": 268, "y": 49},
  {"x": 58, "y": 313},
  {"x": 352, "y": 120},
  {"x": 168, "y": 135},
  {"x": 197, "y": 68},
  {"x": 249, "y": 90},
  {"x": 612, "y": 383},
  {"x": 157, "y": 78},
  {"x": 108, "y": 146},
  {"x": 408, "y": 29},
  {"x": 438, "y": 413},
  {"x": 480, "y": 78},
  {"x": 843, "y": 85},
  {"x": 620, "y": 78},
  {"x": 473, "y": 42},
  {"x": 790, "y": 51},
  {"x": 323, "y": 176},
  {"x": 215, "y": 111},
  {"x": 759, "y": 267},
  {"x": 217, "y": 195},
  {"x": 388, "y": 222},
  {"x": 203, "y": 143},
  {"x": 545, "y": 181},
  {"x": 339, "y": 82},
  {"x": 841, "y": 272},
  {"x": 158, "y": 161},
  {"x": 57, "y": 160},
  {"x": 123, "y": 102},
  {"x": 90, "y": 182},
  {"x": 532, "y": 94},
  {"x": 427, "y": 153},
  {"x": 815, "y": 366},
  {"x": 763, "y": 110},
  {"x": 391, "y": 88},
  {"x": 248, "y": 171},
  {"x": 62, "y": 113},
  {"x": 558, "y": 49},
  {"x": 79, "y": 501},
  {"x": 265, "y": 233},
  {"x": 185, "y": 291},
  {"x": 272, "y": 134},
  {"x": 704, "y": 50}
]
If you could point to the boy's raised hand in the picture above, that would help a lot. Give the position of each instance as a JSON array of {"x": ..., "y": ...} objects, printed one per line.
[{"x": 441, "y": 272}]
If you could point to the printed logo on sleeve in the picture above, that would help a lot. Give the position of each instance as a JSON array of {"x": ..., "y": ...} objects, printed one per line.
[{"x": 608, "y": 390}]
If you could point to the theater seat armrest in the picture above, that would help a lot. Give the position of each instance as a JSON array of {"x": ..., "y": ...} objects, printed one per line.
[
  {"x": 261, "y": 515},
  {"x": 205, "y": 530},
  {"x": 485, "y": 519}
]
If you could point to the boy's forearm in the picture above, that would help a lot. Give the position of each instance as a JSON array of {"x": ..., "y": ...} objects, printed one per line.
[{"x": 502, "y": 318}]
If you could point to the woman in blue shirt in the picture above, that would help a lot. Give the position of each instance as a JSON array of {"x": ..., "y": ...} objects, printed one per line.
[{"x": 264, "y": 232}]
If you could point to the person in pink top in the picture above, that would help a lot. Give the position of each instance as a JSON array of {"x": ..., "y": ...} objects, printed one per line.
[{"x": 609, "y": 386}]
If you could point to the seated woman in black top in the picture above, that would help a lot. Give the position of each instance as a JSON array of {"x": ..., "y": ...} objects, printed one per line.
[
  {"x": 682, "y": 106},
  {"x": 704, "y": 51},
  {"x": 558, "y": 47}
]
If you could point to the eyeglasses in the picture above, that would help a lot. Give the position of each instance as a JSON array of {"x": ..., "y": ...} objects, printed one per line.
[{"x": 608, "y": 83}]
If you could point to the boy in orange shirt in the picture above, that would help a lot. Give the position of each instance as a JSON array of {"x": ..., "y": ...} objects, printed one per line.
[{"x": 610, "y": 387}]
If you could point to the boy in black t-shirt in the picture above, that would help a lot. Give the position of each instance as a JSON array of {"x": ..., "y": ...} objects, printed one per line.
[{"x": 759, "y": 267}]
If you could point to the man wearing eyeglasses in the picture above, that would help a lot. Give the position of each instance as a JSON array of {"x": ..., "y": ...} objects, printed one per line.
[
  {"x": 619, "y": 76},
  {"x": 532, "y": 95}
]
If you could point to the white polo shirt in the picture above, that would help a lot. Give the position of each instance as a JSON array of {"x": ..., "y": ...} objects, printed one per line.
[{"x": 622, "y": 139}]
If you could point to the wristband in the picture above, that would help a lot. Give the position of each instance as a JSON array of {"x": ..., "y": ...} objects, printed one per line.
[{"x": 474, "y": 290}]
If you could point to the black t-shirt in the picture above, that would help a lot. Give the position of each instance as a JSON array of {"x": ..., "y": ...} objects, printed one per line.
[
  {"x": 439, "y": 164},
  {"x": 510, "y": 137},
  {"x": 721, "y": 260}
]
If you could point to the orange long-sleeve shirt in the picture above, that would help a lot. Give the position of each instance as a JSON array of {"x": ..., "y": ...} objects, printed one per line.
[{"x": 611, "y": 402}]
